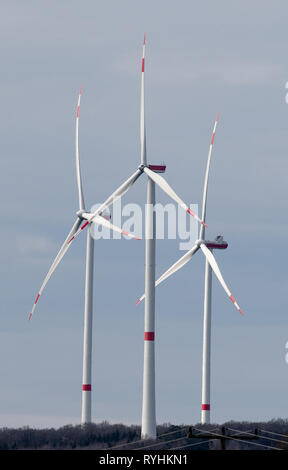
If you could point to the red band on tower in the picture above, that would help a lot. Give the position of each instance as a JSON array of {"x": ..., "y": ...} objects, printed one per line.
[
  {"x": 86, "y": 388},
  {"x": 149, "y": 336},
  {"x": 205, "y": 407}
]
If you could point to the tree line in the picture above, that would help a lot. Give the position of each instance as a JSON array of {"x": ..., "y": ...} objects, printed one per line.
[{"x": 108, "y": 436}]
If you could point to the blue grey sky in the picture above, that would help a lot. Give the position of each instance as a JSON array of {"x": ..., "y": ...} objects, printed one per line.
[{"x": 202, "y": 58}]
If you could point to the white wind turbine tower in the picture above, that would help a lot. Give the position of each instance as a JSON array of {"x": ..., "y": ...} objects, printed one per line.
[
  {"x": 206, "y": 246},
  {"x": 82, "y": 215}
]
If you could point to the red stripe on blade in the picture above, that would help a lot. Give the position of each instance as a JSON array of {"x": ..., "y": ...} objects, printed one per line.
[
  {"x": 190, "y": 212},
  {"x": 232, "y": 298},
  {"x": 37, "y": 298},
  {"x": 78, "y": 109},
  {"x": 212, "y": 140},
  {"x": 194, "y": 215},
  {"x": 143, "y": 61},
  {"x": 85, "y": 225}
]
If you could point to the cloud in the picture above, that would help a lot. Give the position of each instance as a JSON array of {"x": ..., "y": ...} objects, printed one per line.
[
  {"x": 30, "y": 244},
  {"x": 182, "y": 67},
  {"x": 232, "y": 72}
]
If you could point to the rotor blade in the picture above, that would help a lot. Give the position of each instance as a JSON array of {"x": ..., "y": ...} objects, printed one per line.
[
  {"x": 118, "y": 193},
  {"x": 212, "y": 261},
  {"x": 121, "y": 190},
  {"x": 78, "y": 171},
  {"x": 175, "y": 267},
  {"x": 162, "y": 183},
  {"x": 142, "y": 109},
  {"x": 204, "y": 200},
  {"x": 56, "y": 261},
  {"x": 98, "y": 219}
]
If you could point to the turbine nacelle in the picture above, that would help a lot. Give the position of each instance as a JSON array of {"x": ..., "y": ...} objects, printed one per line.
[
  {"x": 217, "y": 244},
  {"x": 83, "y": 215},
  {"x": 155, "y": 168}
]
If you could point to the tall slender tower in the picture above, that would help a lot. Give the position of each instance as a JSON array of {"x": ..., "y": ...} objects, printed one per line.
[
  {"x": 206, "y": 357},
  {"x": 148, "y": 406},
  {"x": 87, "y": 342}
]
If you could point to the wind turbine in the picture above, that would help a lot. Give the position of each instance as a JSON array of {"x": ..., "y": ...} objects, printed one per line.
[
  {"x": 206, "y": 247},
  {"x": 148, "y": 428},
  {"x": 98, "y": 218},
  {"x": 148, "y": 425}
]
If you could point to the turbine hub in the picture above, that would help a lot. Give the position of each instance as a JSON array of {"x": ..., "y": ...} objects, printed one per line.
[{"x": 80, "y": 213}]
